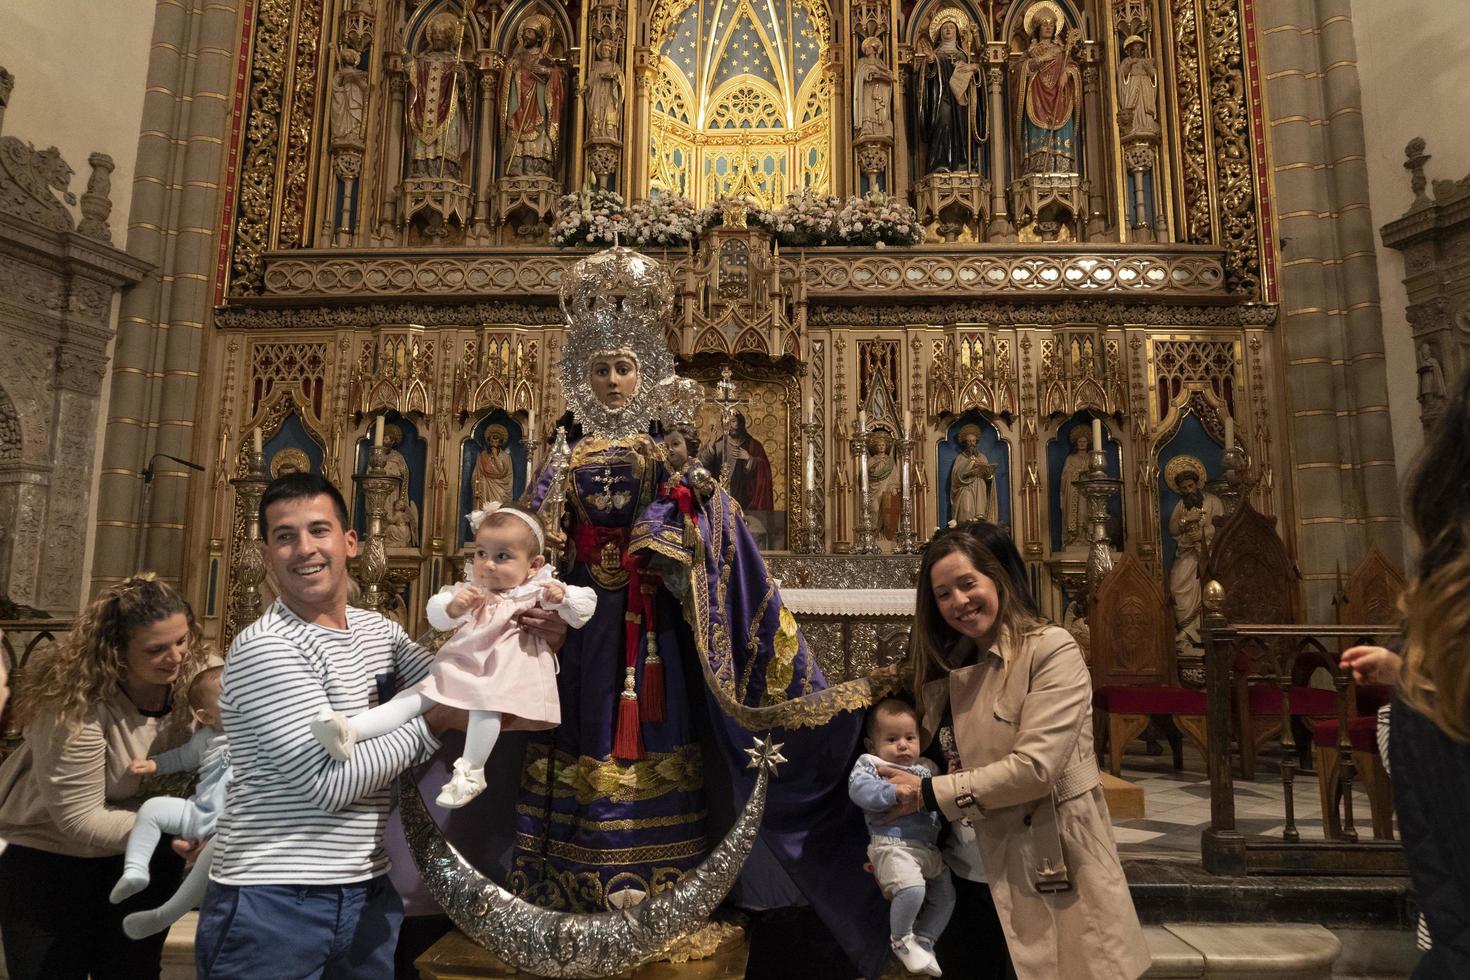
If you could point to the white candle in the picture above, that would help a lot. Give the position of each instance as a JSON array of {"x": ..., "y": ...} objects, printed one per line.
[
  {"x": 1229, "y": 432},
  {"x": 1097, "y": 442},
  {"x": 863, "y": 425},
  {"x": 808, "y": 408},
  {"x": 532, "y": 439},
  {"x": 255, "y": 438},
  {"x": 811, "y": 467},
  {"x": 378, "y": 432},
  {"x": 905, "y": 473},
  {"x": 863, "y": 470},
  {"x": 907, "y": 418}
]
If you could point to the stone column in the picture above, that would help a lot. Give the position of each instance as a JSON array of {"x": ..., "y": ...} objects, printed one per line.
[
  {"x": 1095, "y": 169},
  {"x": 1344, "y": 492},
  {"x": 388, "y": 214},
  {"x": 173, "y": 223},
  {"x": 490, "y": 66},
  {"x": 1000, "y": 229},
  {"x": 645, "y": 71}
]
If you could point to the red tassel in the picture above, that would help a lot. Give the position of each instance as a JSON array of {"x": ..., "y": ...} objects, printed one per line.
[
  {"x": 627, "y": 739},
  {"x": 651, "y": 701}
]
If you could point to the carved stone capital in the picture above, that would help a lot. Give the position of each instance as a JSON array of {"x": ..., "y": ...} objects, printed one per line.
[{"x": 79, "y": 371}]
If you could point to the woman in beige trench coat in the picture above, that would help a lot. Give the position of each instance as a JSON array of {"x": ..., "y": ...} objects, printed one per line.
[{"x": 1018, "y": 696}]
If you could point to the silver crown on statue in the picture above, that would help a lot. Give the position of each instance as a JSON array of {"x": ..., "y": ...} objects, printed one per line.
[{"x": 617, "y": 301}]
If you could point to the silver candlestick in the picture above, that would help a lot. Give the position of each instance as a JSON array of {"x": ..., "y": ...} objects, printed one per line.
[
  {"x": 1098, "y": 488},
  {"x": 866, "y": 540},
  {"x": 1237, "y": 482},
  {"x": 809, "y": 537},
  {"x": 907, "y": 541}
]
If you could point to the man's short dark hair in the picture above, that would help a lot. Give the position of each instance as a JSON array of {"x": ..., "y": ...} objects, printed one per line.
[{"x": 301, "y": 486}]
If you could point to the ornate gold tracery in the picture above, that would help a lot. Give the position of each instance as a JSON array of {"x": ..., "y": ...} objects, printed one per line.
[{"x": 742, "y": 102}]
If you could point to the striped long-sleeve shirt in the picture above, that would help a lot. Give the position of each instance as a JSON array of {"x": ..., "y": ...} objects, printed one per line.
[{"x": 293, "y": 815}]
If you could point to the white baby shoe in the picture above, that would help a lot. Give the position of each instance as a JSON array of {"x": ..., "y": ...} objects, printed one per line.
[
  {"x": 466, "y": 784},
  {"x": 912, "y": 955},
  {"x": 334, "y": 731},
  {"x": 927, "y": 945}
]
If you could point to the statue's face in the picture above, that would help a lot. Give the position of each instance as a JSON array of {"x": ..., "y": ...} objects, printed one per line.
[
  {"x": 604, "y": 50},
  {"x": 494, "y": 441},
  {"x": 1135, "y": 50},
  {"x": 879, "y": 443},
  {"x": 1046, "y": 29},
  {"x": 948, "y": 32},
  {"x": 1188, "y": 485},
  {"x": 530, "y": 37},
  {"x": 970, "y": 442},
  {"x": 614, "y": 379},
  {"x": 1080, "y": 440}
]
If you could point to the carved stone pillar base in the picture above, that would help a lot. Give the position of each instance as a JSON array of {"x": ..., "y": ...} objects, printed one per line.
[
  {"x": 525, "y": 202},
  {"x": 1049, "y": 202},
  {"x": 603, "y": 157},
  {"x": 441, "y": 199},
  {"x": 955, "y": 201}
]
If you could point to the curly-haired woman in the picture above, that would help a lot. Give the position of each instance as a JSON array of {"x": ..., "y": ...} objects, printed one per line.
[{"x": 112, "y": 691}]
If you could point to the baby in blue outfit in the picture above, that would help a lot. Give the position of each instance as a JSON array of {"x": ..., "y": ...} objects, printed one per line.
[
  {"x": 192, "y": 819},
  {"x": 905, "y": 853}
]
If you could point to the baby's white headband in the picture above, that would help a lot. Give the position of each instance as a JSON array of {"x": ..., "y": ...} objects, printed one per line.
[{"x": 477, "y": 517}]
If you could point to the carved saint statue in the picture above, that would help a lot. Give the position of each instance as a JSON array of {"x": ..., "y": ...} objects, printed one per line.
[
  {"x": 438, "y": 102},
  {"x": 971, "y": 492},
  {"x": 872, "y": 94},
  {"x": 349, "y": 100},
  {"x": 951, "y": 111},
  {"x": 532, "y": 101},
  {"x": 494, "y": 478},
  {"x": 885, "y": 484},
  {"x": 1138, "y": 90},
  {"x": 1192, "y": 523},
  {"x": 1431, "y": 377},
  {"x": 401, "y": 525},
  {"x": 1048, "y": 97},
  {"x": 604, "y": 92},
  {"x": 1074, "y": 506}
]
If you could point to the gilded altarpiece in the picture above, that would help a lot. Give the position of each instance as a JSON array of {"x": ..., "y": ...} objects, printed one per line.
[{"x": 1102, "y": 259}]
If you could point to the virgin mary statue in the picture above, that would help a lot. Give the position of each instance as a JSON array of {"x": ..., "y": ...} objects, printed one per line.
[{"x": 689, "y": 653}]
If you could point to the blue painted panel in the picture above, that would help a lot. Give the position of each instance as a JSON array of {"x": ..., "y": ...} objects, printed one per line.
[
  {"x": 1190, "y": 440},
  {"x": 992, "y": 448},
  {"x": 1057, "y": 451},
  {"x": 415, "y": 452},
  {"x": 470, "y": 450}
]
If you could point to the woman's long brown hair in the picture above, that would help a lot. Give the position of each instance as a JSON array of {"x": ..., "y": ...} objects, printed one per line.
[
  {"x": 932, "y": 639},
  {"x": 1436, "y": 677}
]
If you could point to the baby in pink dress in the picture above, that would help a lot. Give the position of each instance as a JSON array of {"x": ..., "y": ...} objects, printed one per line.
[{"x": 503, "y": 675}]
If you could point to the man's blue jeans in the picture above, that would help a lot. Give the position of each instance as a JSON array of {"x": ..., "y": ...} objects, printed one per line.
[{"x": 332, "y": 932}]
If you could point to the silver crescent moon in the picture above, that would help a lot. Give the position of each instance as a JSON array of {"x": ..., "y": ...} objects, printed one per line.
[{"x": 563, "y": 944}]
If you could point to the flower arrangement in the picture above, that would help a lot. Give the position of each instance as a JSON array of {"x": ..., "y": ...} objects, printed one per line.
[
  {"x": 813, "y": 219},
  {"x": 598, "y": 217}
]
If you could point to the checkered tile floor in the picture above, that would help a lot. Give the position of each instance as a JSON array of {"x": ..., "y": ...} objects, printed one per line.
[{"x": 1177, "y": 804}]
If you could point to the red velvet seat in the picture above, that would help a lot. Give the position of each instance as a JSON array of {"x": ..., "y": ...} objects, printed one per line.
[
  {"x": 1309, "y": 702},
  {"x": 1362, "y": 733},
  {"x": 1149, "y": 700}
]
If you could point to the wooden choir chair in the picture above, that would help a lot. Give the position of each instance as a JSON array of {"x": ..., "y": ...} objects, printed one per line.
[{"x": 1134, "y": 666}]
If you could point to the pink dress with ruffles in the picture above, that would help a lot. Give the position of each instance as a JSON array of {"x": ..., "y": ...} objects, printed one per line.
[{"x": 491, "y": 664}]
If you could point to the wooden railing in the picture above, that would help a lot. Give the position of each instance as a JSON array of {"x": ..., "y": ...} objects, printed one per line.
[{"x": 1271, "y": 654}]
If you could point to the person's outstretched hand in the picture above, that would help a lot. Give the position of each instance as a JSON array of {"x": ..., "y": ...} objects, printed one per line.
[{"x": 1372, "y": 665}]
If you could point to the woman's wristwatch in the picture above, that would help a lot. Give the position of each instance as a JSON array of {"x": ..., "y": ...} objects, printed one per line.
[{"x": 926, "y": 794}]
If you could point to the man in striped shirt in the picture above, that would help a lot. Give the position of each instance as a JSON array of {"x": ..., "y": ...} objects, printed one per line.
[{"x": 298, "y": 884}]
